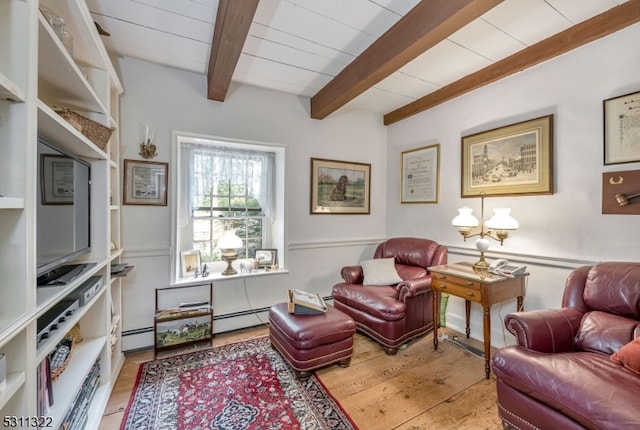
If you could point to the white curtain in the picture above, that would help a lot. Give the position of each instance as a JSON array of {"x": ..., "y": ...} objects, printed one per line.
[{"x": 204, "y": 166}]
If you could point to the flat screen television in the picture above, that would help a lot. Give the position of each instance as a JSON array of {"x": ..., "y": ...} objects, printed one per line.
[{"x": 63, "y": 216}]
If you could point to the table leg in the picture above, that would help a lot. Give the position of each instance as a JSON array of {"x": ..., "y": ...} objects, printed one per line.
[
  {"x": 436, "y": 318},
  {"x": 520, "y": 307},
  {"x": 487, "y": 340},
  {"x": 467, "y": 311}
]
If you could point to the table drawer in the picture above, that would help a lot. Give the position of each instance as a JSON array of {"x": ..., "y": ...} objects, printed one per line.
[{"x": 469, "y": 291}]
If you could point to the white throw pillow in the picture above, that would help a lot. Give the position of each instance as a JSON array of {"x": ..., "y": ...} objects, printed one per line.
[{"x": 380, "y": 271}]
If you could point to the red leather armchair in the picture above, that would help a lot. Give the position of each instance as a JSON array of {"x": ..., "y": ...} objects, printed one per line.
[
  {"x": 560, "y": 374},
  {"x": 393, "y": 314}
]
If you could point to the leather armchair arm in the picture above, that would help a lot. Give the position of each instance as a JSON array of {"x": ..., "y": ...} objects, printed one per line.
[
  {"x": 547, "y": 330},
  {"x": 352, "y": 274},
  {"x": 413, "y": 287}
]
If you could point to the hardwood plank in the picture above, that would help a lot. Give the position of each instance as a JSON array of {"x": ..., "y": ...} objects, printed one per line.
[
  {"x": 587, "y": 31},
  {"x": 384, "y": 394},
  {"x": 427, "y": 24},
  {"x": 233, "y": 20},
  {"x": 472, "y": 409},
  {"x": 418, "y": 388}
]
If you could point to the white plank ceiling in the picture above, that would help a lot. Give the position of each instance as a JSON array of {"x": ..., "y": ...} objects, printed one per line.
[{"x": 298, "y": 46}]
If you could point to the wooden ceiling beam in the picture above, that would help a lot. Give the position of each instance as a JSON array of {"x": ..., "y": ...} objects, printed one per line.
[
  {"x": 587, "y": 31},
  {"x": 233, "y": 20},
  {"x": 427, "y": 24}
]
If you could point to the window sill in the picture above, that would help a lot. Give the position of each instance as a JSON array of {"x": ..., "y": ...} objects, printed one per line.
[{"x": 219, "y": 277}]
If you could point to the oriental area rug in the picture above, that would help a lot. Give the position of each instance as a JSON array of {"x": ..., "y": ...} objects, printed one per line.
[{"x": 244, "y": 385}]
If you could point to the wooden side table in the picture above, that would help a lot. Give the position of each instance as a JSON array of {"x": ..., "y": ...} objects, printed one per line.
[{"x": 461, "y": 280}]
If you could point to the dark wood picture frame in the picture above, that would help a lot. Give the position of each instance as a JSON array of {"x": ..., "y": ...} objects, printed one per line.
[
  {"x": 145, "y": 183},
  {"x": 621, "y": 117}
]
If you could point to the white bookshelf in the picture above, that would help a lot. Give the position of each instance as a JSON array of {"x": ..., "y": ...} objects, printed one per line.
[{"x": 37, "y": 77}]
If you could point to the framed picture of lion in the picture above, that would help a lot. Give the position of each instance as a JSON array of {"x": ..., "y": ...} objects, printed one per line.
[{"x": 340, "y": 187}]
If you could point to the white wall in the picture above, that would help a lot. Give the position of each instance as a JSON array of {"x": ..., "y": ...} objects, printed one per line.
[
  {"x": 319, "y": 245},
  {"x": 559, "y": 231}
]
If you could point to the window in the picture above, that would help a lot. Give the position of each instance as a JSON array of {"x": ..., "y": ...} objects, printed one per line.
[{"x": 223, "y": 185}]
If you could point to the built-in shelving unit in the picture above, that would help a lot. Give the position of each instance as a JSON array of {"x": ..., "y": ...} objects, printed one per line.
[{"x": 38, "y": 76}]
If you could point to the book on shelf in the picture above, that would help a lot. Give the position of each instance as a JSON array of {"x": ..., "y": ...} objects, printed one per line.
[
  {"x": 44, "y": 387},
  {"x": 303, "y": 302}
]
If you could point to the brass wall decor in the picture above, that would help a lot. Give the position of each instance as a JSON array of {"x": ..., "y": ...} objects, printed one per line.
[
  {"x": 620, "y": 192},
  {"x": 147, "y": 147}
]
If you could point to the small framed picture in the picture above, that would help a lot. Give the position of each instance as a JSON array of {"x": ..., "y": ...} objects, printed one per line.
[
  {"x": 266, "y": 257},
  {"x": 190, "y": 263},
  {"x": 145, "y": 183}
]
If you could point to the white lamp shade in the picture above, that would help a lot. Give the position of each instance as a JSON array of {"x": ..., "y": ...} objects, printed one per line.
[
  {"x": 465, "y": 218},
  {"x": 229, "y": 240},
  {"x": 502, "y": 220}
]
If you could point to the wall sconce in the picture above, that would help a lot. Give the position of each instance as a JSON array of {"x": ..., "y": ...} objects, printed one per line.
[
  {"x": 147, "y": 148},
  {"x": 497, "y": 228},
  {"x": 623, "y": 199},
  {"x": 228, "y": 243}
]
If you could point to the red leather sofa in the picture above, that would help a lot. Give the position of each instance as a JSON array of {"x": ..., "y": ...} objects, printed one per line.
[
  {"x": 396, "y": 313},
  {"x": 561, "y": 374}
]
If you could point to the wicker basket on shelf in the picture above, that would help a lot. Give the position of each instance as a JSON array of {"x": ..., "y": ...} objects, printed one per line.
[
  {"x": 65, "y": 348},
  {"x": 94, "y": 131}
]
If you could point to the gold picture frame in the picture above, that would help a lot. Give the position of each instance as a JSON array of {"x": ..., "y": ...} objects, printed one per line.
[
  {"x": 340, "y": 187},
  {"x": 420, "y": 170},
  {"x": 512, "y": 160},
  {"x": 145, "y": 183}
]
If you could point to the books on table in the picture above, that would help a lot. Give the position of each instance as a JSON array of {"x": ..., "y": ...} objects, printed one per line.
[{"x": 303, "y": 302}]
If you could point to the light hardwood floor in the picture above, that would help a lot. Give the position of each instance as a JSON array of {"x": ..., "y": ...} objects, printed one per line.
[{"x": 472, "y": 407}]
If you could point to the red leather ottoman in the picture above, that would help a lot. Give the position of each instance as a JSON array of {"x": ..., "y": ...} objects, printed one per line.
[{"x": 308, "y": 342}]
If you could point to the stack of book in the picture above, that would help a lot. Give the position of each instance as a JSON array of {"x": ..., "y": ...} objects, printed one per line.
[
  {"x": 77, "y": 416},
  {"x": 302, "y": 302}
]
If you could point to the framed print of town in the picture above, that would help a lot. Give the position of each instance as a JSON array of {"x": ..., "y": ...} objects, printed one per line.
[{"x": 511, "y": 160}]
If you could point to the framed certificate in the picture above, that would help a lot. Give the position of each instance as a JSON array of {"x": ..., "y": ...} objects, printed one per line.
[
  {"x": 622, "y": 129},
  {"x": 420, "y": 175},
  {"x": 145, "y": 183}
]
